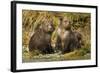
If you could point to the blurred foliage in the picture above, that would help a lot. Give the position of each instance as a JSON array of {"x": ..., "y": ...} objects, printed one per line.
[{"x": 32, "y": 20}]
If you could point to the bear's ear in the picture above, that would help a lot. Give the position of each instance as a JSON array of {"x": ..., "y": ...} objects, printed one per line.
[{"x": 60, "y": 18}]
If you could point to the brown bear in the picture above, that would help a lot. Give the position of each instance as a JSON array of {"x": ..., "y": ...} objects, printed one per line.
[
  {"x": 67, "y": 40},
  {"x": 41, "y": 39}
]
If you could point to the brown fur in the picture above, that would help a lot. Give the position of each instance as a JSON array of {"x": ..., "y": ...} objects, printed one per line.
[
  {"x": 41, "y": 39},
  {"x": 67, "y": 40}
]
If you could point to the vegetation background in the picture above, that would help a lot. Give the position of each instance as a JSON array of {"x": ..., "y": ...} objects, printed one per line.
[{"x": 80, "y": 22}]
